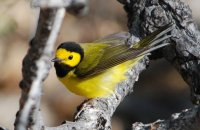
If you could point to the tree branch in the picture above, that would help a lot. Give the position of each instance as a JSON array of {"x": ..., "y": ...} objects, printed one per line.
[
  {"x": 36, "y": 65},
  {"x": 144, "y": 16},
  {"x": 57, "y": 3},
  {"x": 147, "y": 15},
  {"x": 72, "y": 6},
  {"x": 186, "y": 120}
]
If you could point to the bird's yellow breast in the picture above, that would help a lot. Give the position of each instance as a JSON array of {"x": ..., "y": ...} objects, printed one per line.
[{"x": 99, "y": 85}]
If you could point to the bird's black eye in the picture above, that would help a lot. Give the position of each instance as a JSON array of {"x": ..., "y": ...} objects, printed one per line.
[{"x": 70, "y": 57}]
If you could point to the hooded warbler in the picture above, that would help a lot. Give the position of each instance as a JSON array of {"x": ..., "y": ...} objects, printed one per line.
[{"x": 94, "y": 69}]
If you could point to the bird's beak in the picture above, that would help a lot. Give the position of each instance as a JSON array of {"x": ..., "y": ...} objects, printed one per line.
[{"x": 56, "y": 60}]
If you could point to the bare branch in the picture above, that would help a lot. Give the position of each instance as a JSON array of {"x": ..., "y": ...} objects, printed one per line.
[
  {"x": 51, "y": 3},
  {"x": 57, "y": 3},
  {"x": 36, "y": 65},
  {"x": 186, "y": 120},
  {"x": 145, "y": 16},
  {"x": 75, "y": 7}
]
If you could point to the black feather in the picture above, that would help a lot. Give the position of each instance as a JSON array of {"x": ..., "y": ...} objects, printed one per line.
[{"x": 73, "y": 47}]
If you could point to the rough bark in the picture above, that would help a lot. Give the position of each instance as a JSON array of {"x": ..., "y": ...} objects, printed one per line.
[
  {"x": 35, "y": 69},
  {"x": 144, "y": 16},
  {"x": 188, "y": 119}
]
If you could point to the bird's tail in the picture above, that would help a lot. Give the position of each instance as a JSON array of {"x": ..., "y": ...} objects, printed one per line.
[{"x": 153, "y": 41}]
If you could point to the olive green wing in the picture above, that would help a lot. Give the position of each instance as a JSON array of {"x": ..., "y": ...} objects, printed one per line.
[
  {"x": 113, "y": 54},
  {"x": 105, "y": 61},
  {"x": 92, "y": 55},
  {"x": 104, "y": 48}
]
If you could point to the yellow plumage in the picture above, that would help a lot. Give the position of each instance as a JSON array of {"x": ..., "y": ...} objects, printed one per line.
[
  {"x": 99, "y": 85},
  {"x": 94, "y": 69}
]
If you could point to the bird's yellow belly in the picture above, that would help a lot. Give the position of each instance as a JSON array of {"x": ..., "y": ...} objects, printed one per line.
[{"x": 99, "y": 85}]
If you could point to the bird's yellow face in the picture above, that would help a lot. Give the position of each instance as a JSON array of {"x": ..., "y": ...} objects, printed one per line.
[{"x": 69, "y": 58}]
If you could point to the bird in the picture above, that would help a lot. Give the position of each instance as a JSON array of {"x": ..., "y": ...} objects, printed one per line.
[{"x": 94, "y": 69}]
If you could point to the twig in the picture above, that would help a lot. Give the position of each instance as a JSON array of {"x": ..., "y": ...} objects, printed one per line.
[{"x": 36, "y": 66}]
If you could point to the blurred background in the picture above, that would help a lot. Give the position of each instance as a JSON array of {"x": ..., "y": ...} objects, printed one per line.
[{"x": 160, "y": 91}]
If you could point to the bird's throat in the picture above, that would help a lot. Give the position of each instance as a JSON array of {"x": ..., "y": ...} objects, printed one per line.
[{"x": 62, "y": 70}]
